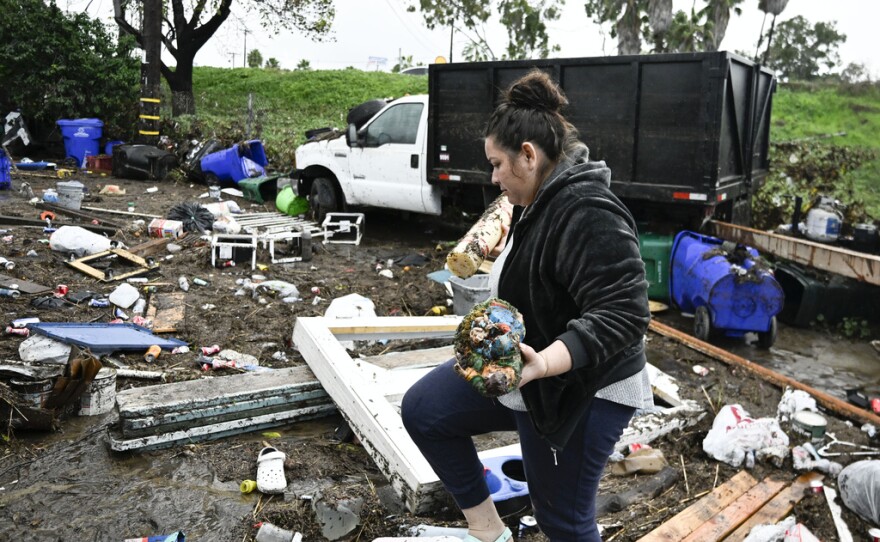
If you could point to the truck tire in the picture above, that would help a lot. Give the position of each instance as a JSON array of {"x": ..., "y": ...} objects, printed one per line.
[
  {"x": 360, "y": 114},
  {"x": 323, "y": 198}
]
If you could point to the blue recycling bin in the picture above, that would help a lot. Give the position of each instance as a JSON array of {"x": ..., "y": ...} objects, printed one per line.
[
  {"x": 5, "y": 178},
  {"x": 242, "y": 161},
  {"x": 81, "y": 138},
  {"x": 724, "y": 287}
]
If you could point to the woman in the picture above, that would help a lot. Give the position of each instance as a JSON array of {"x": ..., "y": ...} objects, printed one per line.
[{"x": 571, "y": 265}]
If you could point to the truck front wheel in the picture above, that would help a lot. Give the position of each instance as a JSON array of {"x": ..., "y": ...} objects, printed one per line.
[{"x": 323, "y": 199}]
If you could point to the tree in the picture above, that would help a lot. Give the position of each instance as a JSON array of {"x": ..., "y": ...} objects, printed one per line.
[
  {"x": 273, "y": 63},
  {"x": 255, "y": 58},
  {"x": 403, "y": 63},
  {"x": 304, "y": 65},
  {"x": 57, "y": 65},
  {"x": 188, "y": 27},
  {"x": 803, "y": 52},
  {"x": 652, "y": 20},
  {"x": 524, "y": 20},
  {"x": 774, "y": 7}
]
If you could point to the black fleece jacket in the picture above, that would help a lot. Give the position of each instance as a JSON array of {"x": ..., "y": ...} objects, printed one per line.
[{"x": 575, "y": 273}]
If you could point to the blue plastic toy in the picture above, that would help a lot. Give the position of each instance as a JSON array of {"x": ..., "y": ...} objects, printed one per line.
[{"x": 721, "y": 284}]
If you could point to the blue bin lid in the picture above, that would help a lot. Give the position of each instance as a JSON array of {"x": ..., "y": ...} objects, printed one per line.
[{"x": 80, "y": 122}]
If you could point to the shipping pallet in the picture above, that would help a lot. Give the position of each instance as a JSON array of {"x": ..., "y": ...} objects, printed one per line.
[{"x": 732, "y": 509}]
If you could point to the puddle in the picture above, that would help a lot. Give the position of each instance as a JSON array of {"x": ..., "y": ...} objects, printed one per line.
[{"x": 820, "y": 360}]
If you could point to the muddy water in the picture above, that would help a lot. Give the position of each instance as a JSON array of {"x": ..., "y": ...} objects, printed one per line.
[
  {"x": 78, "y": 489},
  {"x": 821, "y": 360}
]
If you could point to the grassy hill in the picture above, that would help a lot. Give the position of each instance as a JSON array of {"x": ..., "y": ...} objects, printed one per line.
[{"x": 287, "y": 103}]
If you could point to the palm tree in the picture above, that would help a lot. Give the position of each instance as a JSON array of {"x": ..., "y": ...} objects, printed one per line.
[
  {"x": 717, "y": 14},
  {"x": 659, "y": 17},
  {"x": 774, "y": 7}
]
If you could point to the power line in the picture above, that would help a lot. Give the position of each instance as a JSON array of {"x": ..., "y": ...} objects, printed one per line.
[{"x": 406, "y": 26}]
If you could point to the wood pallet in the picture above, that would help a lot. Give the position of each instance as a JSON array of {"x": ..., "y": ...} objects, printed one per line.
[{"x": 732, "y": 509}]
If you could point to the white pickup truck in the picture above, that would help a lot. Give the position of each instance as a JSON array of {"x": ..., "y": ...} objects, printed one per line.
[{"x": 382, "y": 164}]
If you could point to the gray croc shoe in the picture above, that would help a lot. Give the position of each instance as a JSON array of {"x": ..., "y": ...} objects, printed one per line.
[{"x": 270, "y": 471}]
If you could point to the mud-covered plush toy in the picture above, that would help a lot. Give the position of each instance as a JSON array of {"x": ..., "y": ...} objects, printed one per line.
[{"x": 487, "y": 347}]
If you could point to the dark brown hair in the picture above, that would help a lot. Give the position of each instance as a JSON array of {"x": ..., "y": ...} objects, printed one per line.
[{"x": 530, "y": 110}]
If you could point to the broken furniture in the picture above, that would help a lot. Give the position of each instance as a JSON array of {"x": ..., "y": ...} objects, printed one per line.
[
  {"x": 234, "y": 247},
  {"x": 343, "y": 228},
  {"x": 368, "y": 393},
  {"x": 142, "y": 265},
  {"x": 211, "y": 408},
  {"x": 731, "y": 510},
  {"x": 103, "y": 337},
  {"x": 295, "y": 233}
]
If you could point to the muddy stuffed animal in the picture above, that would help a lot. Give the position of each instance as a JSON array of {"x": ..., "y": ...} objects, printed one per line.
[{"x": 487, "y": 347}]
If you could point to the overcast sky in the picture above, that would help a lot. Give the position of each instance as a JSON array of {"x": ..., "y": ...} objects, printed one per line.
[{"x": 367, "y": 31}]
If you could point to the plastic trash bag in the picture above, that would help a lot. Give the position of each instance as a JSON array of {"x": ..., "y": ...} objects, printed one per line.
[
  {"x": 736, "y": 436},
  {"x": 194, "y": 217},
  {"x": 79, "y": 241},
  {"x": 793, "y": 401},
  {"x": 859, "y": 486},
  {"x": 771, "y": 533}
]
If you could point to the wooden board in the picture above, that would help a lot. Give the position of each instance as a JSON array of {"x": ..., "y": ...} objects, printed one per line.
[
  {"x": 24, "y": 286},
  {"x": 726, "y": 521},
  {"x": 778, "y": 508},
  {"x": 690, "y": 519},
  {"x": 167, "y": 311}
]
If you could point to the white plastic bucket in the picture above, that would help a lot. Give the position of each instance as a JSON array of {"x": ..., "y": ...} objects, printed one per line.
[
  {"x": 70, "y": 194},
  {"x": 468, "y": 292},
  {"x": 100, "y": 397}
]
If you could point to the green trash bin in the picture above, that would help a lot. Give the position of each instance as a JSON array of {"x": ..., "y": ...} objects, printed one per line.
[
  {"x": 260, "y": 189},
  {"x": 656, "y": 250}
]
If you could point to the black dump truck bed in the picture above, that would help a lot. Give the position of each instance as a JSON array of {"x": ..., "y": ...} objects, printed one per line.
[{"x": 681, "y": 132}]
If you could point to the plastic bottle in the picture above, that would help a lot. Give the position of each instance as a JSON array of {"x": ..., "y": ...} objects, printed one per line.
[
  {"x": 6, "y": 292},
  {"x": 200, "y": 282},
  {"x": 152, "y": 353},
  {"x": 139, "y": 306},
  {"x": 7, "y": 264},
  {"x": 184, "y": 284}
]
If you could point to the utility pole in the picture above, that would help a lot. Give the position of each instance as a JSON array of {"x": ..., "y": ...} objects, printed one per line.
[
  {"x": 233, "y": 55},
  {"x": 245, "y": 60},
  {"x": 151, "y": 73}
]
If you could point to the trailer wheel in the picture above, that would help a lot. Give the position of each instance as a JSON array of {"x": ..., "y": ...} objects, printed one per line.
[
  {"x": 323, "y": 198},
  {"x": 702, "y": 323},
  {"x": 767, "y": 338}
]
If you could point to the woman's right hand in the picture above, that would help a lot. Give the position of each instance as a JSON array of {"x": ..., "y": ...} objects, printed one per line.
[{"x": 499, "y": 248}]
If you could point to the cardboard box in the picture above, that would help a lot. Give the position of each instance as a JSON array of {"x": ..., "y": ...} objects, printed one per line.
[{"x": 160, "y": 227}]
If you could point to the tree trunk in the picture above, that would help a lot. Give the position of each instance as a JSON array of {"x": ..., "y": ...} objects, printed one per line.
[
  {"x": 180, "y": 82},
  {"x": 629, "y": 41}
]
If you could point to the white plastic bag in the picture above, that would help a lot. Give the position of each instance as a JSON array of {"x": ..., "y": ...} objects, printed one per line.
[
  {"x": 799, "y": 533},
  {"x": 771, "y": 533},
  {"x": 736, "y": 435},
  {"x": 859, "y": 486},
  {"x": 79, "y": 241},
  {"x": 794, "y": 401}
]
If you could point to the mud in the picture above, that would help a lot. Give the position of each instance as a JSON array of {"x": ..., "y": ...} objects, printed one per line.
[{"x": 68, "y": 485}]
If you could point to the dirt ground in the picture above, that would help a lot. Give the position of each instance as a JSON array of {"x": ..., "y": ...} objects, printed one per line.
[{"x": 214, "y": 315}]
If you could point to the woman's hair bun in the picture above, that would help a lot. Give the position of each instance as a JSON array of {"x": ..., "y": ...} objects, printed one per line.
[{"x": 536, "y": 90}]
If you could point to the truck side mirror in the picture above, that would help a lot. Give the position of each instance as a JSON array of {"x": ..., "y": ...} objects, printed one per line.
[{"x": 351, "y": 136}]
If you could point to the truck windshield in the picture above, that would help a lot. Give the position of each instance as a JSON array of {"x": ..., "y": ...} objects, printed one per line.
[{"x": 398, "y": 124}]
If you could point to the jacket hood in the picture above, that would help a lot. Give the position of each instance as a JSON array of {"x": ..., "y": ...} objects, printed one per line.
[{"x": 575, "y": 167}]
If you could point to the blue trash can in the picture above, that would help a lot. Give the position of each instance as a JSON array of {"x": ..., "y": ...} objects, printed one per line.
[
  {"x": 81, "y": 138},
  {"x": 723, "y": 287},
  {"x": 242, "y": 161},
  {"x": 5, "y": 178},
  {"x": 108, "y": 147}
]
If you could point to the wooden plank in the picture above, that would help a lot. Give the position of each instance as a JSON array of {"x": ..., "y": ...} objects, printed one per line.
[
  {"x": 689, "y": 519},
  {"x": 412, "y": 358},
  {"x": 778, "y": 508},
  {"x": 726, "y": 521},
  {"x": 828, "y": 401},
  {"x": 372, "y": 418},
  {"x": 55, "y": 208},
  {"x": 392, "y": 327},
  {"x": 843, "y": 532},
  {"x": 167, "y": 311},
  {"x": 849, "y": 263},
  {"x": 24, "y": 286},
  {"x": 19, "y": 221}
]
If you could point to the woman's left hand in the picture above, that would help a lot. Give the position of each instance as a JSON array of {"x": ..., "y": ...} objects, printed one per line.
[{"x": 534, "y": 365}]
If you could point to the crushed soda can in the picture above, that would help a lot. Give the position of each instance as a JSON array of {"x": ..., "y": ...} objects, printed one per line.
[
  {"x": 180, "y": 350},
  {"x": 119, "y": 313},
  {"x": 61, "y": 290},
  {"x": 23, "y": 331},
  {"x": 700, "y": 370},
  {"x": 200, "y": 282},
  {"x": 101, "y": 303},
  {"x": 7, "y": 292},
  {"x": 208, "y": 350}
]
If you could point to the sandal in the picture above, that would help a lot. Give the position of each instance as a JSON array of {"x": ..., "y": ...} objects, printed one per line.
[
  {"x": 506, "y": 536},
  {"x": 270, "y": 471}
]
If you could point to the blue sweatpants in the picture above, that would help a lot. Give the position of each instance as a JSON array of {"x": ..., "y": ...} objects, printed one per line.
[{"x": 442, "y": 412}]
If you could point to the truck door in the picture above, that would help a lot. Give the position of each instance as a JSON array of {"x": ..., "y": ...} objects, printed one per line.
[{"x": 389, "y": 170}]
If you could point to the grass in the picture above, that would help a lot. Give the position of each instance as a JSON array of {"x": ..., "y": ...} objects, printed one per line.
[{"x": 287, "y": 103}]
